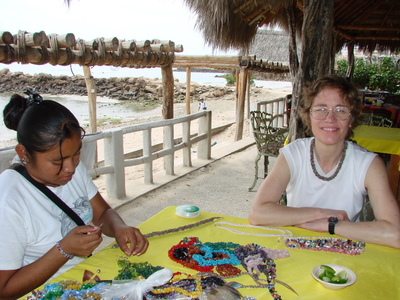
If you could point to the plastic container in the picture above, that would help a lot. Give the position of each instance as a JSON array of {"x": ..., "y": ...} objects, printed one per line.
[{"x": 187, "y": 211}]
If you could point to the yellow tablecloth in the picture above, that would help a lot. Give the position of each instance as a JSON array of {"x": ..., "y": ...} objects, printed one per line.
[
  {"x": 377, "y": 268},
  {"x": 378, "y": 139}
]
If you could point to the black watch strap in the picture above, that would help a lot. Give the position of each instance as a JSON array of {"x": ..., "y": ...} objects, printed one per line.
[{"x": 332, "y": 221}]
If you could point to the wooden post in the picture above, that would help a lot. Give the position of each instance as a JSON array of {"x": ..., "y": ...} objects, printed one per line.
[
  {"x": 91, "y": 90},
  {"x": 204, "y": 146},
  {"x": 168, "y": 92},
  {"x": 188, "y": 73},
  {"x": 248, "y": 95},
  {"x": 187, "y": 151},
  {"x": 114, "y": 156},
  {"x": 148, "y": 166},
  {"x": 240, "y": 103},
  {"x": 169, "y": 145}
]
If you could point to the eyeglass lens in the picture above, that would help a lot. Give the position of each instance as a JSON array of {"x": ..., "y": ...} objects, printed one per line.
[{"x": 339, "y": 113}]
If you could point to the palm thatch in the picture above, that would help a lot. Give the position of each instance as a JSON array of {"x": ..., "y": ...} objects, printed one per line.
[
  {"x": 271, "y": 45},
  {"x": 228, "y": 24}
]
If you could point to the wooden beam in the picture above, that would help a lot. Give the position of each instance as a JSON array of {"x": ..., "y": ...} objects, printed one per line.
[
  {"x": 91, "y": 90},
  {"x": 187, "y": 100},
  {"x": 357, "y": 27},
  {"x": 241, "y": 86},
  {"x": 168, "y": 92}
]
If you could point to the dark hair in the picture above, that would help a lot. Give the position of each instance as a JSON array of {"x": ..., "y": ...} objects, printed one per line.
[
  {"x": 40, "y": 126},
  {"x": 349, "y": 95}
]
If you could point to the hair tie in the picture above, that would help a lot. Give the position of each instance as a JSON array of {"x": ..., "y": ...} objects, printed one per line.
[{"x": 33, "y": 97}]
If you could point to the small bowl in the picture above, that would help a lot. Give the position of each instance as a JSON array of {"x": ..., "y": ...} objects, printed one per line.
[{"x": 351, "y": 277}]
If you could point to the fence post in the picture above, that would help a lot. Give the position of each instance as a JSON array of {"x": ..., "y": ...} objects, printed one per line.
[
  {"x": 148, "y": 166},
  {"x": 114, "y": 156},
  {"x": 169, "y": 144},
  {"x": 187, "y": 151},
  {"x": 204, "y": 147}
]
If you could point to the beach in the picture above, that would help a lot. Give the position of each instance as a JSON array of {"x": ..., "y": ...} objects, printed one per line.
[{"x": 112, "y": 113}]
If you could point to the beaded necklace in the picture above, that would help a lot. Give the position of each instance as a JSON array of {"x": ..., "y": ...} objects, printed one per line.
[
  {"x": 283, "y": 232},
  {"x": 344, "y": 246},
  {"x": 192, "y": 253},
  {"x": 337, "y": 168}
]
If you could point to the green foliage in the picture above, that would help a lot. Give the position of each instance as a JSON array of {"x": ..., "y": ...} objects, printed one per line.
[
  {"x": 384, "y": 76},
  {"x": 231, "y": 79}
]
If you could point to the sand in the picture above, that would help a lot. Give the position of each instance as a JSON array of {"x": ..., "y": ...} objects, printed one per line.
[{"x": 223, "y": 112}]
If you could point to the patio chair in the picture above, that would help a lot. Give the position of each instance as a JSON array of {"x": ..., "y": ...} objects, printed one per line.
[
  {"x": 374, "y": 120},
  {"x": 269, "y": 139}
]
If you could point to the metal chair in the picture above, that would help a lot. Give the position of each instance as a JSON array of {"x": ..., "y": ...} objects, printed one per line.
[
  {"x": 269, "y": 139},
  {"x": 374, "y": 120}
]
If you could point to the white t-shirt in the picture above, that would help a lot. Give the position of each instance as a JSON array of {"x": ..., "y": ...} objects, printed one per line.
[
  {"x": 345, "y": 192},
  {"x": 202, "y": 106},
  {"x": 31, "y": 224}
]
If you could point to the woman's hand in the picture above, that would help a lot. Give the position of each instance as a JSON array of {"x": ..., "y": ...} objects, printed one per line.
[
  {"x": 321, "y": 224},
  {"x": 131, "y": 240},
  {"x": 82, "y": 240}
]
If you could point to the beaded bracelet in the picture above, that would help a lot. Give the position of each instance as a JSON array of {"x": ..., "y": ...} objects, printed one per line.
[{"x": 69, "y": 256}]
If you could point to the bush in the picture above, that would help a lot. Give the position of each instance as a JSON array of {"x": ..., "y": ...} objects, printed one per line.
[{"x": 384, "y": 76}]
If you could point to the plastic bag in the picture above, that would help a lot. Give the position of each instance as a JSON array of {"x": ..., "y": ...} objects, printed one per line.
[{"x": 134, "y": 289}]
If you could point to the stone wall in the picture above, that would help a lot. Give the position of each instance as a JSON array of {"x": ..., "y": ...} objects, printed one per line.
[{"x": 126, "y": 88}]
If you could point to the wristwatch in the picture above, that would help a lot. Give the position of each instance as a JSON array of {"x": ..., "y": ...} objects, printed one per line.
[{"x": 331, "y": 226}]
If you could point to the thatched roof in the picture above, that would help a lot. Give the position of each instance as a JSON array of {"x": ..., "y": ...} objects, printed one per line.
[
  {"x": 228, "y": 24},
  {"x": 271, "y": 45}
]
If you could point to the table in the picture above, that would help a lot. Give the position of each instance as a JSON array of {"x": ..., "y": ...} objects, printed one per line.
[
  {"x": 376, "y": 269},
  {"x": 383, "y": 140}
]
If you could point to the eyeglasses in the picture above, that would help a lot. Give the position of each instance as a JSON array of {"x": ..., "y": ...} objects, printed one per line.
[{"x": 321, "y": 112}]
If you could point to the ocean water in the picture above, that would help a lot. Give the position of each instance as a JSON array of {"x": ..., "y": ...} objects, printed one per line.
[{"x": 107, "y": 108}]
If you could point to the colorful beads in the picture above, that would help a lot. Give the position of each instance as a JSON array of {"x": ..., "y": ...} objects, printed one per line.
[
  {"x": 69, "y": 256},
  {"x": 69, "y": 290},
  {"x": 136, "y": 271},
  {"x": 344, "y": 246}
]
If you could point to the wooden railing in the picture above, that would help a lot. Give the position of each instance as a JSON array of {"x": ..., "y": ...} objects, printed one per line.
[
  {"x": 277, "y": 107},
  {"x": 115, "y": 158}
]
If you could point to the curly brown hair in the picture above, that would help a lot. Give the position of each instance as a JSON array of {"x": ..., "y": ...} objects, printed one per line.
[{"x": 349, "y": 95}]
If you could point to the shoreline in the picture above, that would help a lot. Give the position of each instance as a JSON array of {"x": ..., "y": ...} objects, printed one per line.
[{"x": 223, "y": 109}]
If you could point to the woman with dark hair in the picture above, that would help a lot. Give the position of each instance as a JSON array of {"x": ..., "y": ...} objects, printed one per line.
[
  {"x": 326, "y": 177},
  {"x": 39, "y": 240}
]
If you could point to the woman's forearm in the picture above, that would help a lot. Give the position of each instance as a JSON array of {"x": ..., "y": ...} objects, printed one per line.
[{"x": 17, "y": 283}]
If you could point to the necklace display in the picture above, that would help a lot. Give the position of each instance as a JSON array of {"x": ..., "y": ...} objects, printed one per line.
[
  {"x": 225, "y": 257},
  {"x": 344, "y": 246},
  {"x": 282, "y": 232},
  {"x": 312, "y": 146}
]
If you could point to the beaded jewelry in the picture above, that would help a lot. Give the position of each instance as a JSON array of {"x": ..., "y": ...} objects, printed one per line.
[
  {"x": 337, "y": 168},
  {"x": 344, "y": 246},
  {"x": 283, "y": 232},
  {"x": 68, "y": 289},
  {"x": 191, "y": 253},
  {"x": 69, "y": 256}
]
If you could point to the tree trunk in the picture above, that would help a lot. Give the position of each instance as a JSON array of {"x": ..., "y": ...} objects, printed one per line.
[
  {"x": 317, "y": 54},
  {"x": 294, "y": 69},
  {"x": 350, "y": 60}
]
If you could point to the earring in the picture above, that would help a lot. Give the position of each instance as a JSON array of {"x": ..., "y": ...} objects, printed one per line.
[{"x": 23, "y": 161}]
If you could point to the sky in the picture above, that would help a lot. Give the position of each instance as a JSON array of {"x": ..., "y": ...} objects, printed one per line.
[{"x": 124, "y": 19}]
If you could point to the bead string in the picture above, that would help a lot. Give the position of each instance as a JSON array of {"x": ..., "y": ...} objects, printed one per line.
[
  {"x": 337, "y": 168},
  {"x": 69, "y": 256},
  {"x": 344, "y": 246},
  {"x": 284, "y": 232},
  {"x": 256, "y": 260}
]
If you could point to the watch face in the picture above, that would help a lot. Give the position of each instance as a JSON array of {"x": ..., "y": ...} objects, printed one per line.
[{"x": 333, "y": 220}]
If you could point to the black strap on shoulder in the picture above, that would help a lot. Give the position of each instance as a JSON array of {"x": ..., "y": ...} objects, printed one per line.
[{"x": 53, "y": 197}]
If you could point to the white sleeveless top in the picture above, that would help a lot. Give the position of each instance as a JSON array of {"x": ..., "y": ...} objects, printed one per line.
[{"x": 345, "y": 192}]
